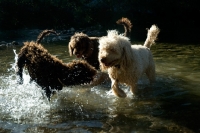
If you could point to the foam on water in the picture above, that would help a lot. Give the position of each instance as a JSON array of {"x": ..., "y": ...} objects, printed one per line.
[{"x": 21, "y": 101}]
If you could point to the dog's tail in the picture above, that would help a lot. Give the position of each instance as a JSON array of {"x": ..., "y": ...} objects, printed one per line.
[
  {"x": 45, "y": 33},
  {"x": 151, "y": 36},
  {"x": 127, "y": 26}
]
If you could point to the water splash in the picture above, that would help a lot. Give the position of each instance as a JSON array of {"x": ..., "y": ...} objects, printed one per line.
[{"x": 24, "y": 101}]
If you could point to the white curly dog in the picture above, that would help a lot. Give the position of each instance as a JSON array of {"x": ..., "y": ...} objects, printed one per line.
[{"x": 124, "y": 62}]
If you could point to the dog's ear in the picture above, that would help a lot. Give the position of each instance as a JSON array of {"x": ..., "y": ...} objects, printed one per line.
[
  {"x": 89, "y": 46},
  {"x": 124, "y": 58},
  {"x": 126, "y": 51}
]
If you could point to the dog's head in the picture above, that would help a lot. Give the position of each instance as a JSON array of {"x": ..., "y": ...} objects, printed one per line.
[
  {"x": 80, "y": 45},
  {"x": 113, "y": 50}
]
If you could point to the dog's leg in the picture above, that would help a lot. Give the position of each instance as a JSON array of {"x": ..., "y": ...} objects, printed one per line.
[
  {"x": 48, "y": 92},
  {"x": 133, "y": 88},
  {"x": 150, "y": 72},
  {"x": 20, "y": 65},
  {"x": 116, "y": 90},
  {"x": 51, "y": 90}
]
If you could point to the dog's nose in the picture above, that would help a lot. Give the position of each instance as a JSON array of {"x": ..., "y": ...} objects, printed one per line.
[{"x": 103, "y": 60}]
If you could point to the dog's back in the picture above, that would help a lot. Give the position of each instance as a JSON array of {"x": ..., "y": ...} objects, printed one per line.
[{"x": 143, "y": 56}]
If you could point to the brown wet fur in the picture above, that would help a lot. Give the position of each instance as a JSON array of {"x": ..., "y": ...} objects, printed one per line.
[
  {"x": 45, "y": 33},
  {"x": 86, "y": 47},
  {"x": 127, "y": 26},
  {"x": 50, "y": 72}
]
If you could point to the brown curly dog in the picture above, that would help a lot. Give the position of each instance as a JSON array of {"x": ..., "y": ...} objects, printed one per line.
[
  {"x": 85, "y": 47},
  {"x": 49, "y": 72}
]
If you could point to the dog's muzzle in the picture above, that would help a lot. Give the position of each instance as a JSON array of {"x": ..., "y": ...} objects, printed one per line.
[{"x": 104, "y": 62}]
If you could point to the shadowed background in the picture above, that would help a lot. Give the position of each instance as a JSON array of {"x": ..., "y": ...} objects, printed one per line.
[{"x": 178, "y": 20}]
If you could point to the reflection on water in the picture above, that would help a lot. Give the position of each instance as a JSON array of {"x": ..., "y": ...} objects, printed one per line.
[{"x": 170, "y": 105}]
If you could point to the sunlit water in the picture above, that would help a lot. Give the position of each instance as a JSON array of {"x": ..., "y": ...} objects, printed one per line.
[{"x": 170, "y": 105}]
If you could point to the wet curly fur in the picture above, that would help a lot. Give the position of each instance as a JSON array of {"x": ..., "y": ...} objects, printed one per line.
[
  {"x": 124, "y": 62},
  {"x": 127, "y": 26},
  {"x": 86, "y": 47},
  {"x": 49, "y": 72},
  {"x": 45, "y": 33}
]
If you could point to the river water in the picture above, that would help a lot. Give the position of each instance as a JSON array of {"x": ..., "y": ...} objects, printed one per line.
[{"x": 170, "y": 105}]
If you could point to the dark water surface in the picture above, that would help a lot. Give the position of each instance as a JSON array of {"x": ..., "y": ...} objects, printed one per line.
[{"x": 170, "y": 105}]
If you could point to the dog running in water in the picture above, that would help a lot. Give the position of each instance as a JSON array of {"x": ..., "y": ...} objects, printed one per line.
[{"x": 50, "y": 72}]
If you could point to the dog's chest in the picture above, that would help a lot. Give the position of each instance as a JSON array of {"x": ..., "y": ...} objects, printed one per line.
[
  {"x": 123, "y": 76},
  {"x": 116, "y": 73}
]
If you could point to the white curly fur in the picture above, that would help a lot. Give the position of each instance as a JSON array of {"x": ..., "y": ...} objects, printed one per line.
[{"x": 125, "y": 62}]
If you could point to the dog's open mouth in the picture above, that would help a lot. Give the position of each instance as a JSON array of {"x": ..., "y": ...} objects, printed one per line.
[{"x": 109, "y": 64}]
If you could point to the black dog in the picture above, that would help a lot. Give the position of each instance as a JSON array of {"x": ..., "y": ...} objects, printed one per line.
[{"x": 49, "y": 72}]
